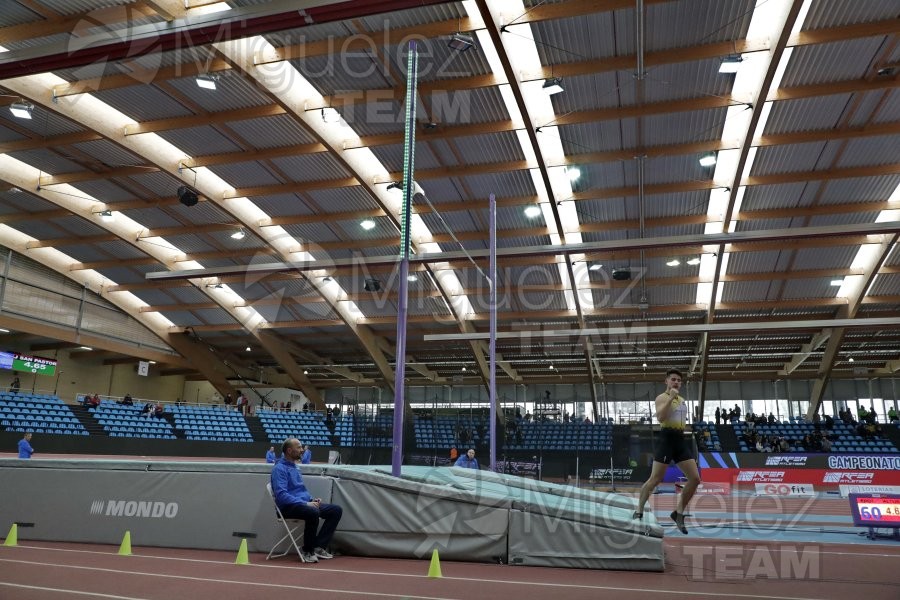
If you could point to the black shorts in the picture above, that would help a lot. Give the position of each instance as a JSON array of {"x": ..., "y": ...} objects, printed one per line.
[{"x": 672, "y": 446}]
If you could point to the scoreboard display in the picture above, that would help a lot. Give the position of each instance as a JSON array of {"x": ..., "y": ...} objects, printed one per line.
[
  {"x": 875, "y": 510},
  {"x": 27, "y": 364}
]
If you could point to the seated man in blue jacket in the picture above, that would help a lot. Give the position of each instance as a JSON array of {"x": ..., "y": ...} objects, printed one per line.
[
  {"x": 295, "y": 502},
  {"x": 467, "y": 460}
]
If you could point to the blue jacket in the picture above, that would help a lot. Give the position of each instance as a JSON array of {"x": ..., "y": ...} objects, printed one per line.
[
  {"x": 307, "y": 457},
  {"x": 463, "y": 461},
  {"x": 25, "y": 449},
  {"x": 287, "y": 484},
  {"x": 270, "y": 457}
]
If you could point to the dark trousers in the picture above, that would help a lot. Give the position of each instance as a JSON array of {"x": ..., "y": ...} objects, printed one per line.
[{"x": 330, "y": 513}]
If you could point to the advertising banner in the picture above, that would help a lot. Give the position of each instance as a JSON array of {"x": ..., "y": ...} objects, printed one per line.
[
  {"x": 818, "y": 477},
  {"x": 783, "y": 489}
]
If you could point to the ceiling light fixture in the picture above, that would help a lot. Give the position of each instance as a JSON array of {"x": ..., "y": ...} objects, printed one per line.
[
  {"x": 239, "y": 234},
  {"x": 595, "y": 267},
  {"x": 837, "y": 282},
  {"x": 86, "y": 348},
  {"x": 673, "y": 263},
  {"x": 708, "y": 159},
  {"x": 106, "y": 215},
  {"x": 207, "y": 81},
  {"x": 395, "y": 185},
  {"x": 330, "y": 115},
  {"x": 248, "y": 349},
  {"x": 412, "y": 278},
  {"x": 644, "y": 365},
  {"x": 461, "y": 42},
  {"x": 694, "y": 261},
  {"x": 553, "y": 86},
  {"x": 368, "y": 224},
  {"x": 574, "y": 173},
  {"x": 305, "y": 372},
  {"x": 850, "y": 359},
  {"x": 4, "y": 330},
  {"x": 731, "y": 63},
  {"x": 532, "y": 211},
  {"x": 21, "y": 109},
  {"x": 464, "y": 369}
]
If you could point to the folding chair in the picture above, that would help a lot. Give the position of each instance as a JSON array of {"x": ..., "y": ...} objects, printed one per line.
[{"x": 294, "y": 525}]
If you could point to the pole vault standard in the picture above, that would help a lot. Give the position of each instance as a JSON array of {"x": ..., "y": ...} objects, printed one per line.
[{"x": 409, "y": 162}]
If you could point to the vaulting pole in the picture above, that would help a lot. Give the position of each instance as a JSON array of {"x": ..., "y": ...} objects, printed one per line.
[
  {"x": 492, "y": 274},
  {"x": 409, "y": 159}
]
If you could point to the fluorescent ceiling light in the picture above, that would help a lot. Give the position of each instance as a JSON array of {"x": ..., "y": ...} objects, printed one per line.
[
  {"x": 708, "y": 159},
  {"x": 553, "y": 86},
  {"x": 412, "y": 278},
  {"x": 21, "y": 109},
  {"x": 4, "y": 330},
  {"x": 731, "y": 63},
  {"x": 532, "y": 211},
  {"x": 238, "y": 235},
  {"x": 368, "y": 224},
  {"x": 837, "y": 282},
  {"x": 461, "y": 42},
  {"x": 85, "y": 347},
  {"x": 595, "y": 267},
  {"x": 152, "y": 362},
  {"x": 673, "y": 263},
  {"x": 694, "y": 261},
  {"x": 207, "y": 81},
  {"x": 574, "y": 173},
  {"x": 106, "y": 215}
]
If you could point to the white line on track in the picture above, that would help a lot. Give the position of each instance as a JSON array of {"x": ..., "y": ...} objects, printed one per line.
[{"x": 371, "y": 593}]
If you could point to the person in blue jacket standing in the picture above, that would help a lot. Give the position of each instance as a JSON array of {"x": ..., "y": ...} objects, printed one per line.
[
  {"x": 306, "y": 458},
  {"x": 25, "y": 449},
  {"x": 270, "y": 455},
  {"x": 467, "y": 460}
]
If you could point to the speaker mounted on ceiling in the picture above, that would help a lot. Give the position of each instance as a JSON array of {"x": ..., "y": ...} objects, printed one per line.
[{"x": 187, "y": 195}]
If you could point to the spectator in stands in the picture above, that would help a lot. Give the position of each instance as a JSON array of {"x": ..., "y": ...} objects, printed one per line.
[
  {"x": 337, "y": 411},
  {"x": 862, "y": 413},
  {"x": 147, "y": 409},
  {"x": 158, "y": 410},
  {"x": 126, "y": 401},
  {"x": 25, "y": 449},
  {"x": 468, "y": 460},
  {"x": 587, "y": 421},
  {"x": 306, "y": 407},
  {"x": 671, "y": 411},
  {"x": 270, "y": 455},
  {"x": 454, "y": 454},
  {"x": 737, "y": 412},
  {"x": 892, "y": 415},
  {"x": 228, "y": 400},
  {"x": 826, "y": 444},
  {"x": 783, "y": 445},
  {"x": 718, "y": 416},
  {"x": 829, "y": 422},
  {"x": 306, "y": 457},
  {"x": 15, "y": 385},
  {"x": 528, "y": 417},
  {"x": 771, "y": 417},
  {"x": 872, "y": 416},
  {"x": 295, "y": 502}
]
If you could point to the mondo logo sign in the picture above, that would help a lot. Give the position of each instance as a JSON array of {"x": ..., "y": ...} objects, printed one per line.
[
  {"x": 784, "y": 489},
  {"x": 145, "y": 509}
]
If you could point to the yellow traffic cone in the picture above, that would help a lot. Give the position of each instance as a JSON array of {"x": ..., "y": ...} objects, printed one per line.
[
  {"x": 125, "y": 548},
  {"x": 242, "y": 554},
  {"x": 434, "y": 569},
  {"x": 12, "y": 538}
]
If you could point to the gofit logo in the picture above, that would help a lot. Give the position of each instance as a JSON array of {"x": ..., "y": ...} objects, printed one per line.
[
  {"x": 842, "y": 477},
  {"x": 783, "y": 489},
  {"x": 134, "y": 508},
  {"x": 761, "y": 476}
]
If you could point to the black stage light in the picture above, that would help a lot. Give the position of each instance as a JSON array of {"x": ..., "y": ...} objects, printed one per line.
[{"x": 187, "y": 196}]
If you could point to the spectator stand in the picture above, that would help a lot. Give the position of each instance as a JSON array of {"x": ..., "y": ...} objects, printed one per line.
[
  {"x": 210, "y": 423},
  {"x": 119, "y": 420},
  {"x": 38, "y": 413}
]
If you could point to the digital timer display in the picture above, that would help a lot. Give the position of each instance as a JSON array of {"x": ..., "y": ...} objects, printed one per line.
[{"x": 875, "y": 510}]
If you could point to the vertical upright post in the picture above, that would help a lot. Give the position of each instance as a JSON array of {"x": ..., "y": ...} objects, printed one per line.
[
  {"x": 492, "y": 268},
  {"x": 409, "y": 159}
]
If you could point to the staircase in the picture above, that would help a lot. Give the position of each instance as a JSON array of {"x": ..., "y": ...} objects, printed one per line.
[
  {"x": 87, "y": 419},
  {"x": 728, "y": 438},
  {"x": 256, "y": 429}
]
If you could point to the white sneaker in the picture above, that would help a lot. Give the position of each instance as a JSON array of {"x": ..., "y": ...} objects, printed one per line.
[
  {"x": 323, "y": 553},
  {"x": 309, "y": 557}
]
